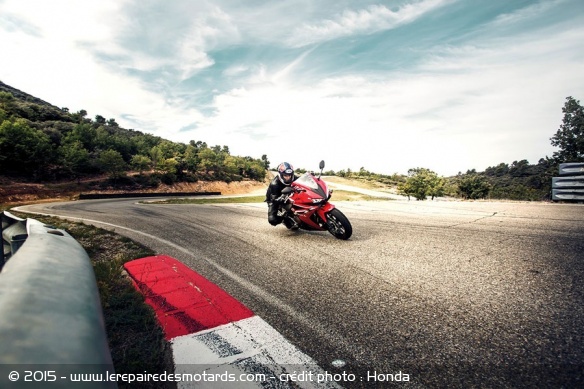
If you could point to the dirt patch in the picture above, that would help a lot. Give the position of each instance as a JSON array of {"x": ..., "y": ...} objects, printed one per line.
[
  {"x": 241, "y": 187},
  {"x": 14, "y": 193}
]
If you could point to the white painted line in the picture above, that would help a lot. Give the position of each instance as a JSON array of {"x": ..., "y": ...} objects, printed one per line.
[{"x": 249, "y": 349}]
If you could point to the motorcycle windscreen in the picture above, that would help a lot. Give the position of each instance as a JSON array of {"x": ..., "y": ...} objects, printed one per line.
[{"x": 307, "y": 180}]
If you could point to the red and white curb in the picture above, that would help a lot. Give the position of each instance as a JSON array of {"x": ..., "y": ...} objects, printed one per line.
[{"x": 215, "y": 339}]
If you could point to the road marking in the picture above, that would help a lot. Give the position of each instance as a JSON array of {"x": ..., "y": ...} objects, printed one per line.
[
  {"x": 325, "y": 333},
  {"x": 214, "y": 335}
]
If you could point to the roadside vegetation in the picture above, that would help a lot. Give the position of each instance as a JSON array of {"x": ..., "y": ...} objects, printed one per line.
[
  {"x": 42, "y": 143},
  {"x": 338, "y": 195},
  {"x": 518, "y": 180}
]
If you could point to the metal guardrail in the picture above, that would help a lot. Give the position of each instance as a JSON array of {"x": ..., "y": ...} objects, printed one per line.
[
  {"x": 570, "y": 184},
  {"x": 50, "y": 311},
  {"x": 571, "y": 168},
  {"x": 13, "y": 232}
]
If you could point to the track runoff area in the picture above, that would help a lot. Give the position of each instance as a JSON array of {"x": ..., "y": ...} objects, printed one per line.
[{"x": 216, "y": 341}]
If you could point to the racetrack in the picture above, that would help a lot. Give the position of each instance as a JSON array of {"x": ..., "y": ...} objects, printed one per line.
[{"x": 454, "y": 294}]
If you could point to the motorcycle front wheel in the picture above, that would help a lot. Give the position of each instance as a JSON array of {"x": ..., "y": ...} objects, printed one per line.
[{"x": 338, "y": 224}]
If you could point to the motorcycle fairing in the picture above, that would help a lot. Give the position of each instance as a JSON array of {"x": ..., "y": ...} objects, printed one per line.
[
  {"x": 311, "y": 202},
  {"x": 307, "y": 181}
]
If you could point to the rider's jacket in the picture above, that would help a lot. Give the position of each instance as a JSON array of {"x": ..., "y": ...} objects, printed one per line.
[{"x": 275, "y": 189}]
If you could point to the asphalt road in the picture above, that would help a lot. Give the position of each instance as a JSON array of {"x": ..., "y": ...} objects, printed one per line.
[{"x": 453, "y": 294}]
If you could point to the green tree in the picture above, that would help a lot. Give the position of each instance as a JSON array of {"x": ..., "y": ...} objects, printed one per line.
[
  {"x": 140, "y": 162},
  {"x": 570, "y": 136},
  {"x": 191, "y": 158},
  {"x": 171, "y": 149},
  {"x": 79, "y": 116},
  {"x": 421, "y": 183},
  {"x": 100, "y": 119},
  {"x": 157, "y": 157},
  {"x": 23, "y": 150},
  {"x": 74, "y": 158},
  {"x": 169, "y": 168},
  {"x": 111, "y": 162},
  {"x": 256, "y": 170},
  {"x": 436, "y": 185},
  {"x": 519, "y": 168},
  {"x": 208, "y": 159},
  {"x": 473, "y": 186},
  {"x": 231, "y": 165},
  {"x": 7, "y": 101},
  {"x": 266, "y": 161},
  {"x": 84, "y": 133}
]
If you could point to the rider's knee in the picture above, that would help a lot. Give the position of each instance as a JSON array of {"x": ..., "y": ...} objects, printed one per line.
[{"x": 274, "y": 220}]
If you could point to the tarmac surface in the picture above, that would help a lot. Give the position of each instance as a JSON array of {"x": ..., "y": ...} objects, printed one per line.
[{"x": 451, "y": 294}]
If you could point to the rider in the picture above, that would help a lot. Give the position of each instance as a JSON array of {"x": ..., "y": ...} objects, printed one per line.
[{"x": 283, "y": 179}]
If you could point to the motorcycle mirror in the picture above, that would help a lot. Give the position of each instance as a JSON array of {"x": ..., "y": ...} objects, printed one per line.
[
  {"x": 321, "y": 165},
  {"x": 287, "y": 190}
]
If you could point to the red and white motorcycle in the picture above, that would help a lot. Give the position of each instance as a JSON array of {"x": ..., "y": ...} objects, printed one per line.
[{"x": 306, "y": 205}]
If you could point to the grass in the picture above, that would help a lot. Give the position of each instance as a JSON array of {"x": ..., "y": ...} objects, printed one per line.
[
  {"x": 218, "y": 200},
  {"x": 338, "y": 195},
  {"x": 135, "y": 338}
]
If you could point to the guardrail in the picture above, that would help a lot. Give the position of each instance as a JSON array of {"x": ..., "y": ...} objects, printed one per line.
[
  {"x": 50, "y": 311},
  {"x": 13, "y": 232},
  {"x": 570, "y": 184}
]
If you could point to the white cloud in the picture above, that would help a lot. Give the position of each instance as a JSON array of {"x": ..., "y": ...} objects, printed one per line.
[
  {"x": 526, "y": 14},
  {"x": 494, "y": 99},
  {"x": 365, "y": 21},
  {"x": 467, "y": 107}
]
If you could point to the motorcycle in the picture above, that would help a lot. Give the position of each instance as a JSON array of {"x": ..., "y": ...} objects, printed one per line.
[{"x": 305, "y": 205}]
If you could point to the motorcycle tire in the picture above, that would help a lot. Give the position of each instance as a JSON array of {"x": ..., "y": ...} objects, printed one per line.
[{"x": 338, "y": 224}]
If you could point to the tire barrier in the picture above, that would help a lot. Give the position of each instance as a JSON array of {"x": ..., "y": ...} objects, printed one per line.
[
  {"x": 51, "y": 315},
  {"x": 570, "y": 184}
]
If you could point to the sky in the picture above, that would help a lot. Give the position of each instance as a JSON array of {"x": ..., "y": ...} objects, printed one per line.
[{"x": 448, "y": 85}]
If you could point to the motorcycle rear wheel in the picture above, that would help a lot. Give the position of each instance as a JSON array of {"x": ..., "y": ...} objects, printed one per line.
[{"x": 338, "y": 224}]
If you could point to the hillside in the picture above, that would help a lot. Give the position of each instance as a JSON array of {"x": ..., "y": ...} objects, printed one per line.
[
  {"x": 20, "y": 95},
  {"x": 13, "y": 193},
  {"x": 47, "y": 151}
]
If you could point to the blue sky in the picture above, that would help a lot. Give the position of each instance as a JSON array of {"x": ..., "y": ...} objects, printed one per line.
[{"x": 449, "y": 85}]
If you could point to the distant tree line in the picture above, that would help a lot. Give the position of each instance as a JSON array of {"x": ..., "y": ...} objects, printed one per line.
[
  {"x": 39, "y": 142},
  {"x": 518, "y": 181}
]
